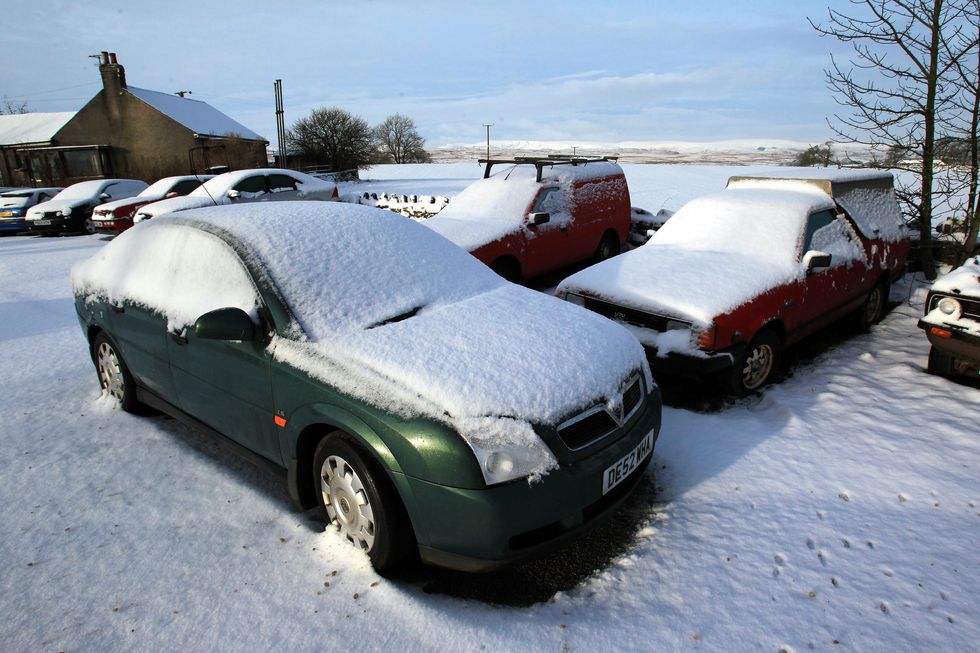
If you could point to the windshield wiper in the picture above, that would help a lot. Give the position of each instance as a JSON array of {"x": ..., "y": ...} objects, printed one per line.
[{"x": 397, "y": 318}]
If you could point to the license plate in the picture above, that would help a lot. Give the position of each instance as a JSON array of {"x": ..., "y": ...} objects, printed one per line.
[
  {"x": 42, "y": 223},
  {"x": 623, "y": 467},
  {"x": 6, "y": 214}
]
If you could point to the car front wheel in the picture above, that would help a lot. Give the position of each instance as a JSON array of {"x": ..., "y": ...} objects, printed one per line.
[
  {"x": 357, "y": 499},
  {"x": 114, "y": 376},
  {"x": 757, "y": 365}
]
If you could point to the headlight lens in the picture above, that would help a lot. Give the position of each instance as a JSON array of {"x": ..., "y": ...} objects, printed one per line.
[
  {"x": 575, "y": 299},
  {"x": 949, "y": 306},
  {"x": 66, "y": 211},
  {"x": 506, "y": 449}
]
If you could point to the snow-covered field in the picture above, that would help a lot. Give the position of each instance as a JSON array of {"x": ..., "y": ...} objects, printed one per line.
[{"x": 838, "y": 511}]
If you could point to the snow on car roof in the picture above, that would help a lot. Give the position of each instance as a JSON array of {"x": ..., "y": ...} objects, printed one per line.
[
  {"x": 714, "y": 254},
  {"x": 224, "y": 182},
  {"x": 161, "y": 186},
  {"x": 964, "y": 280},
  {"x": 396, "y": 315}
]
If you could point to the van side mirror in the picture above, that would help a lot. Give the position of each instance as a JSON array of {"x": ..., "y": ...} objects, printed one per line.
[
  {"x": 539, "y": 218},
  {"x": 813, "y": 260},
  {"x": 225, "y": 324}
]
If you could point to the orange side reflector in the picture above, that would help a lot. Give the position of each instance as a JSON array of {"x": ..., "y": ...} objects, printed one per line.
[
  {"x": 280, "y": 421},
  {"x": 942, "y": 333}
]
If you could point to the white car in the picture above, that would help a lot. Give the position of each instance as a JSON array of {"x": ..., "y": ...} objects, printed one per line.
[
  {"x": 258, "y": 185},
  {"x": 71, "y": 209},
  {"x": 117, "y": 216}
]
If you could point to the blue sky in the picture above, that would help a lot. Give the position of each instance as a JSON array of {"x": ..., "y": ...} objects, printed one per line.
[{"x": 585, "y": 71}]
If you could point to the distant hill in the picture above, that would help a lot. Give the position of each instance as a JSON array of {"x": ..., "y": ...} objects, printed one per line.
[{"x": 732, "y": 152}]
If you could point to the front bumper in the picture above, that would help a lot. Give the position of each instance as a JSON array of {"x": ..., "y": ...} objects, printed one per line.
[
  {"x": 13, "y": 224},
  {"x": 959, "y": 344},
  {"x": 56, "y": 225},
  {"x": 482, "y": 530},
  {"x": 677, "y": 364}
]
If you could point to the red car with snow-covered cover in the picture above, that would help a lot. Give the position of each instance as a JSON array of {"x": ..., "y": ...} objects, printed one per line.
[
  {"x": 539, "y": 214},
  {"x": 117, "y": 216},
  {"x": 735, "y": 277}
]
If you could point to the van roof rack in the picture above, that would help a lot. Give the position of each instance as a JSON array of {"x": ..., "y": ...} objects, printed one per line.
[{"x": 539, "y": 162}]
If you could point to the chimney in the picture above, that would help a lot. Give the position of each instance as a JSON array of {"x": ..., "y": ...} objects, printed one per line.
[{"x": 113, "y": 81}]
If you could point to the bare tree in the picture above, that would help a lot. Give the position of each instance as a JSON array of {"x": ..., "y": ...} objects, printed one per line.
[
  {"x": 11, "y": 107},
  {"x": 335, "y": 137},
  {"x": 902, "y": 53},
  {"x": 399, "y": 139},
  {"x": 815, "y": 156}
]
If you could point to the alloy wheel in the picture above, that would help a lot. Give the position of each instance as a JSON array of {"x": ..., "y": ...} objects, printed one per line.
[
  {"x": 346, "y": 501},
  {"x": 758, "y": 365}
]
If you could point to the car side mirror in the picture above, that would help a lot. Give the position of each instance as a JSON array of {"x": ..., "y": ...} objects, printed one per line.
[
  {"x": 539, "y": 218},
  {"x": 172, "y": 193},
  {"x": 814, "y": 259},
  {"x": 233, "y": 194},
  {"x": 225, "y": 324},
  {"x": 105, "y": 196}
]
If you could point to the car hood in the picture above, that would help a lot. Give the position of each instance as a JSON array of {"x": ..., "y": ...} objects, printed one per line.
[
  {"x": 182, "y": 203},
  {"x": 496, "y": 354},
  {"x": 691, "y": 285},
  {"x": 128, "y": 201},
  {"x": 57, "y": 205},
  {"x": 471, "y": 234},
  {"x": 13, "y": 202}
]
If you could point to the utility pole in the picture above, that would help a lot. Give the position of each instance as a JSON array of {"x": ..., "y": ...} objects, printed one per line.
[
  {"x": 488, "y": 126},
  {"x": 280, "y": 124},
  {"x": 573, "y": 151}
]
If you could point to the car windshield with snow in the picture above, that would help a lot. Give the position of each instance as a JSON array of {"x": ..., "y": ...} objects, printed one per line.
[
  {"x": 952, "y": 321},
  {"x": 428, "y": 406},
  {"x": 536, "y": 215},
  {"x": 735, "y": 277},
  {"x": 243, "y": 186}
]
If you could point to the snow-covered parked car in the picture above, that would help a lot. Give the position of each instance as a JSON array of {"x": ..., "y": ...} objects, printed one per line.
[
  {"x": 243, "y": 186},
  {"x": 733, "y": 278},
  {"x": 15, "y": 202},
  {"x": 117, "y": 216},
  {"x": 396, "y": 379},
  {"x": 644, "y": 224},
  {"x": 952, "y": 321},
  {"x": 539, "y": 214},
  {"x": 71, "y": 209}
]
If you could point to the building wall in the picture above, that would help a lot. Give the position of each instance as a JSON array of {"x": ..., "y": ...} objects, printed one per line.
[{"x": 147, "y": 144}]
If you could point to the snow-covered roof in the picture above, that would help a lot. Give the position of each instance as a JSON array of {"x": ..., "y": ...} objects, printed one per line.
[
  {"x": 200, "y": 117},
  {"x": 21, "y": 128}
]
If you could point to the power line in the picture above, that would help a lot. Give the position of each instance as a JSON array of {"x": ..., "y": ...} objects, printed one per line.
[{"x": 53, "y": 90}]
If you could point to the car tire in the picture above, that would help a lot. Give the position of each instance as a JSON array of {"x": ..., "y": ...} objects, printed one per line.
[
  {"x": 873, "y": 307},
  {"x": 608, "y": 247},
  {"x": 88, "y": 226},
  {"x": 114, "y": 376},
  {"x": 358, "y": 499},
  {"x": 507, "y": 268},
  {"x": 757, "y": 365},
  {"x": 940, "y": 363}
]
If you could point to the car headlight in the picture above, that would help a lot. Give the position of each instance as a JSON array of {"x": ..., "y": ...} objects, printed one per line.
[
  {"x": 949, "y": 306},
  {"x": 66, "y": 211},
  {"x": 571, "y": 297},
  {"x": 507, "y": 449}
]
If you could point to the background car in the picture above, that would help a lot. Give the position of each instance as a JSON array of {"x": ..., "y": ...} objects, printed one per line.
[
  {"x": 71, "y": 209},
  {"x": 242, "y": 186},
  {"x": 117, "y": 216},
  {"x": 388, "y": 371},
  {"x": 539, "y": 214},
  {"x": 952, "y": 322},
  {"x": 644, "y": 224},
  {"x": 733, "y": 278},
  {"x": 15, "y": 202}
]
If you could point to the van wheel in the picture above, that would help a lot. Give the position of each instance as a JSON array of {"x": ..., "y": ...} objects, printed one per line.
[
  {"x": 608, "y": 247},
  {"x": 757, "y": 365},
  {"x": 874, "y": 306},
  {"x": 356, "y": 497}
]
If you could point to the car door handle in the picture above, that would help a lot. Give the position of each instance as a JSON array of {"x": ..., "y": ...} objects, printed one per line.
[{"x": 178, "y": 337}]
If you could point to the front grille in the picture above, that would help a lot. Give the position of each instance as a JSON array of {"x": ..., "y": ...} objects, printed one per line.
[
  {"x": 600, "y": 420},
  {"x": 626, "y": 314}
]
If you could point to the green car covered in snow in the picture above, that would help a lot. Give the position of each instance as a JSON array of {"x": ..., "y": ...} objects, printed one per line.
[{"x": 429, "y": 407}]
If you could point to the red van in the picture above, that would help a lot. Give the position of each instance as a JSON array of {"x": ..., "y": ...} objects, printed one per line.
[{"x": 539, "y": 214}]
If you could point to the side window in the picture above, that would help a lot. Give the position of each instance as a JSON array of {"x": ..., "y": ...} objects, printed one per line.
[
  {"x": 818, "y": 222},
  {"x": 112, "y": 190},
  {"x": 184, "y": 187},
  {"x": 549, "y": 201},
  {"x": 253, "y": 185},
  {"x": 43, "y": 197},
  {"x": 279, "y": 183}
]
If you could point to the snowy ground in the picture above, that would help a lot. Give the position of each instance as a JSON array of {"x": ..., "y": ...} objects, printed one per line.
[{"x": 838, "y": 511}]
